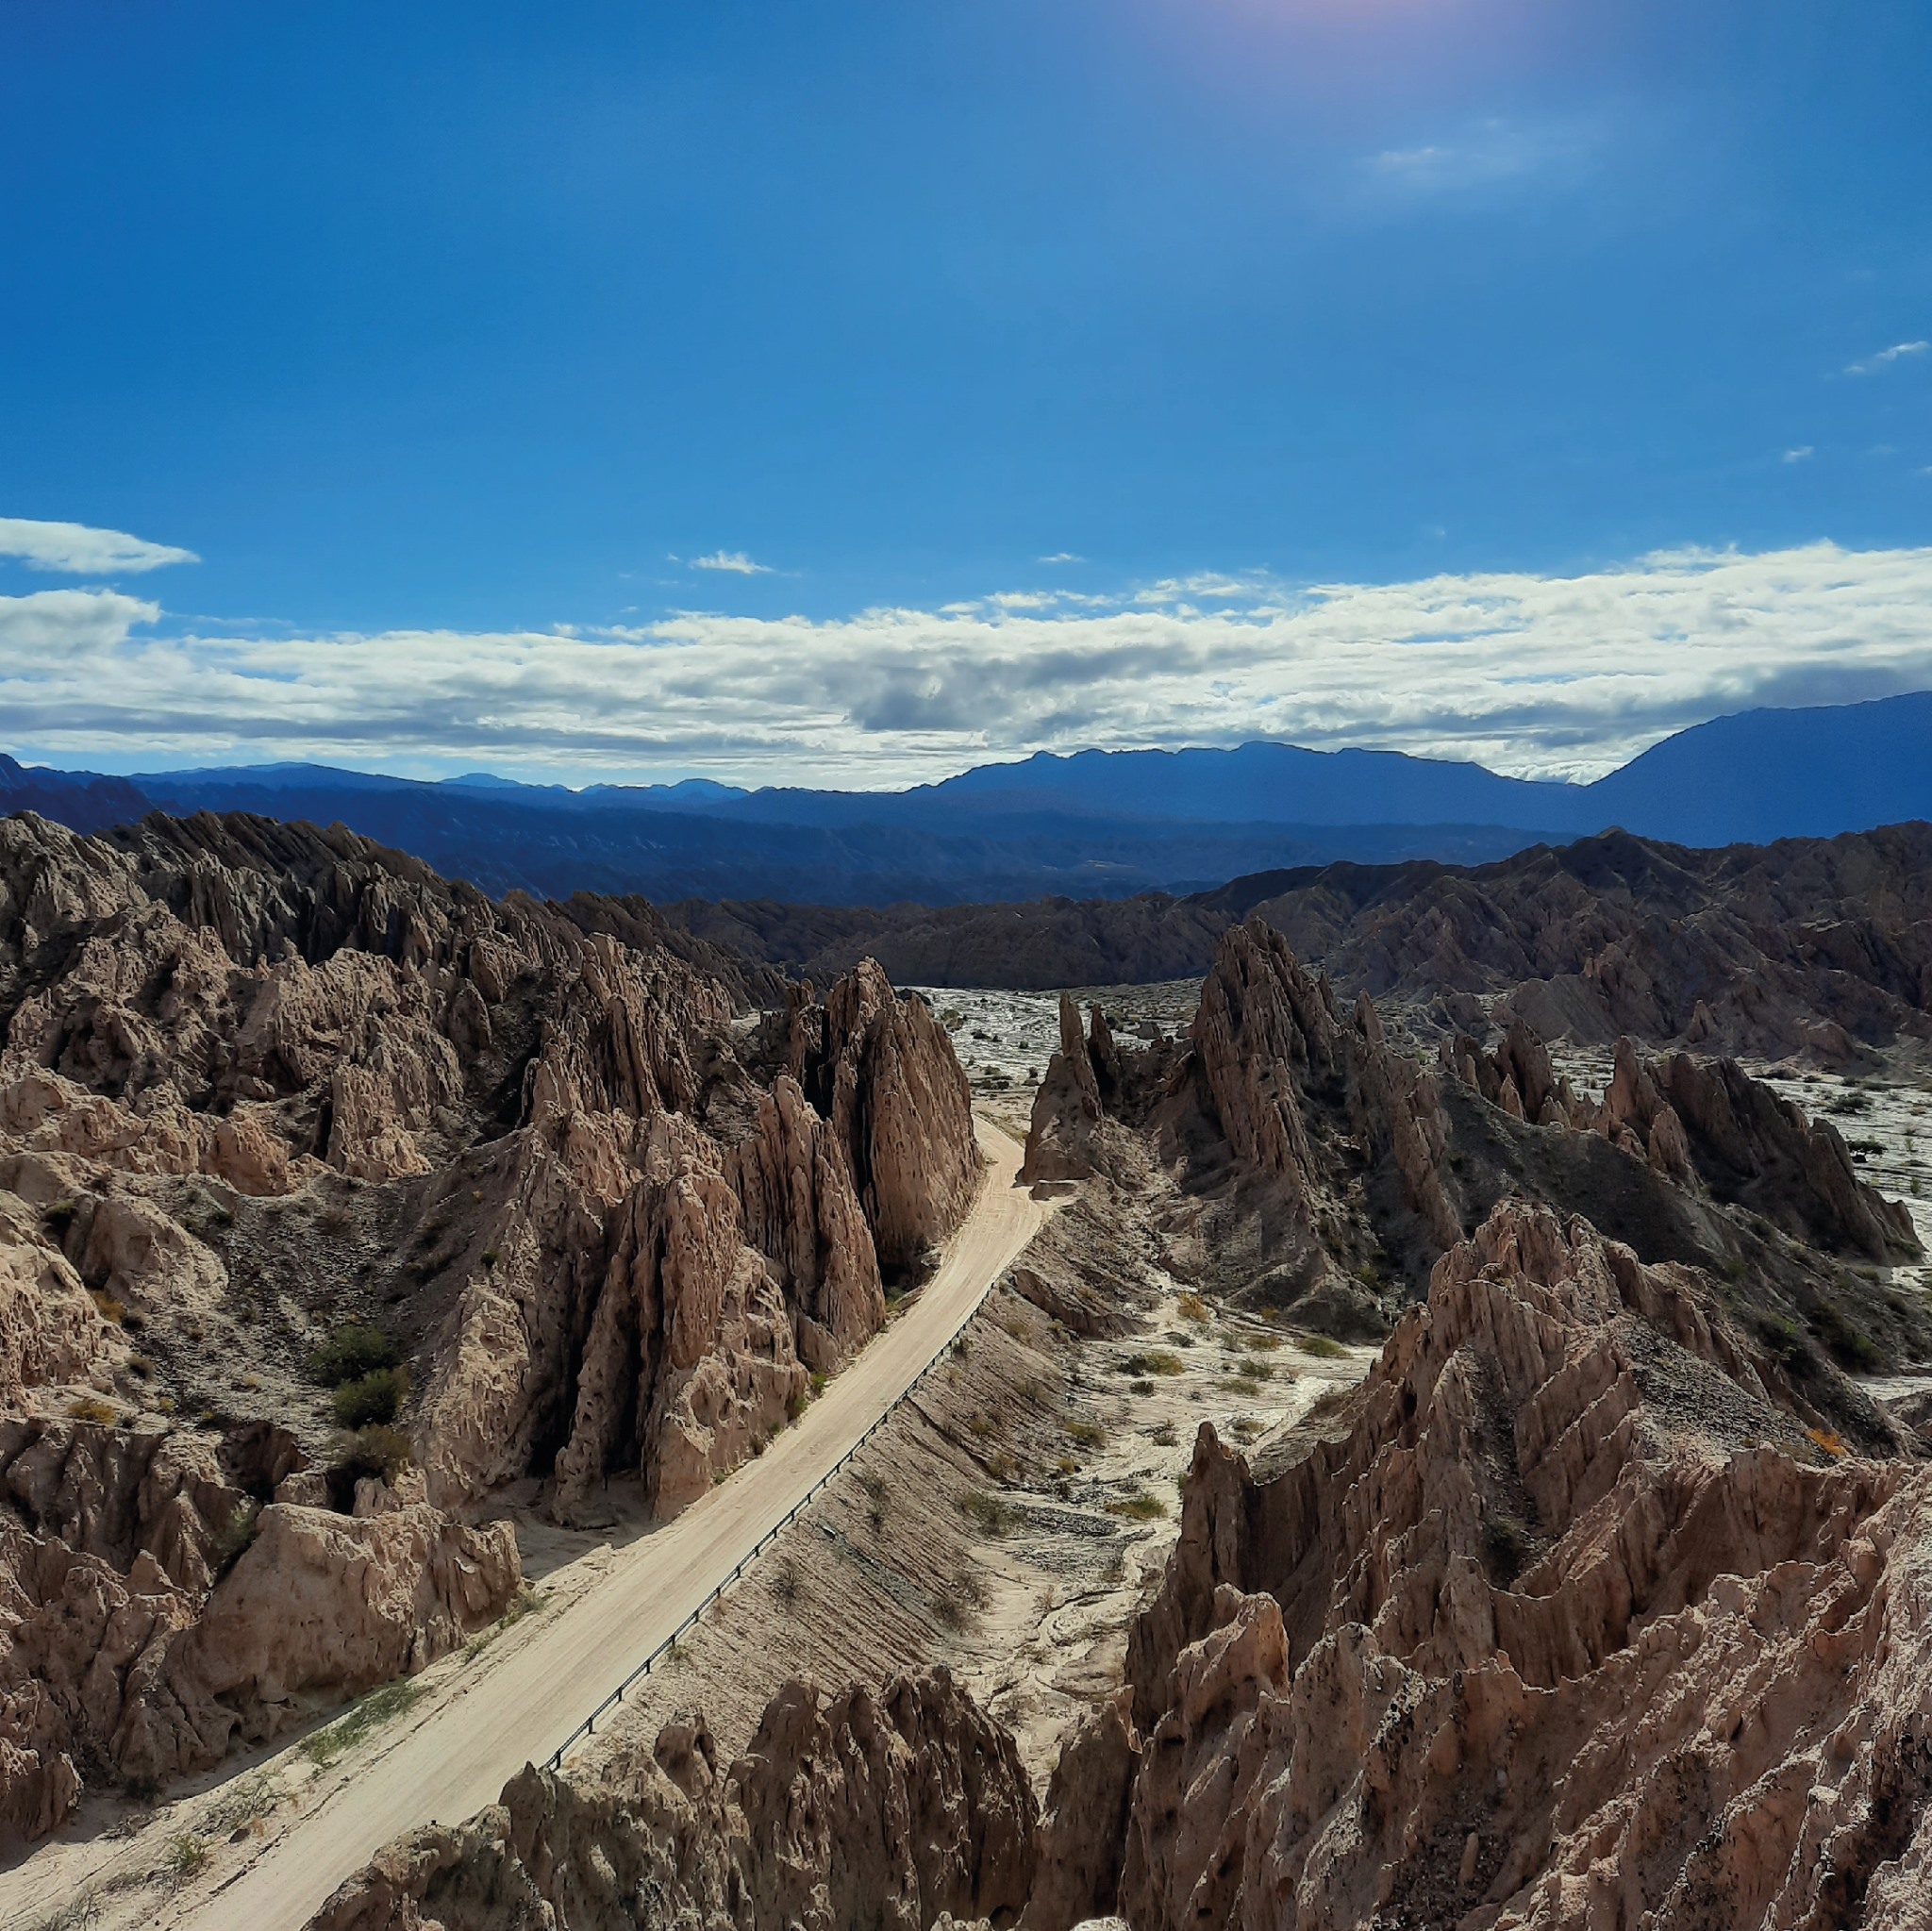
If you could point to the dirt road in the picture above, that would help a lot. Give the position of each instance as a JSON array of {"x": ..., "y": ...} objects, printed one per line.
[
  {"x": 476, "y": 1728},
  {"x": 459, "y": 1756}
]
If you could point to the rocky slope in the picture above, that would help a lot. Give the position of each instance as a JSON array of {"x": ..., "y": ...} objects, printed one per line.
[
  {"x": 1819, "y": 947},
  {"x": 272, "y": 1099},
  {"x": 1308, "y": 1163},
  {"x": 891, "y": 1811},
  {"x": 1582, "y": 1620}
]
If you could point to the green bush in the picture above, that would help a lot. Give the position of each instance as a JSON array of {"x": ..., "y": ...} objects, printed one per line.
[
  {"x": 352, "y": 1353},
  {"x": 235, "y": 1535},
  {"x": 1850, "y": 1345},
  {"x": 374, "y": 1398}
]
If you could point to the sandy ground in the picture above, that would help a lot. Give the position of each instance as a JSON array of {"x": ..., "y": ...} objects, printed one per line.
[{"x": 265, "y": 1845}]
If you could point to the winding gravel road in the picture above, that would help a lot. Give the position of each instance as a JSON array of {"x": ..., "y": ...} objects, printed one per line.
[{"x": 459, "y": 1757}]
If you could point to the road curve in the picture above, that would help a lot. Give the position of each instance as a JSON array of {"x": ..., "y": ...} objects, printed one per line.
[{"x": 458, "y": 1760}]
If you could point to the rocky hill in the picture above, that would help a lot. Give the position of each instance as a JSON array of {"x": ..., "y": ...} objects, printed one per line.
[
  {"x": 332, "y": 1198},
  {"x": 1817, "y": 947},
  {"x": 1603, "y": 1600}
]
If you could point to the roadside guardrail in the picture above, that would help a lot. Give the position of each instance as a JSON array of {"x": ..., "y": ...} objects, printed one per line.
[{"x": 589, "y": 1726}]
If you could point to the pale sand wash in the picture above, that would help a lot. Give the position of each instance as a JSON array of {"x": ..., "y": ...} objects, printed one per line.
[{"x": 481, "y": 1718}]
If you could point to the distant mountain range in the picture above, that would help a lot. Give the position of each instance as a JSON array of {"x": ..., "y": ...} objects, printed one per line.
[{"x": 1095, "y": 824}]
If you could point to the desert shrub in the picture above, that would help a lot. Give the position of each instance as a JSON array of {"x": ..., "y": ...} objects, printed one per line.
[
  {"x": 1066, "y": 1466},
  {"x": 324, "y": 1745},
  {"x": 107, "y": 1306},
  {"x": 786, "y": 1588},
  {"x": 377, "y": 1450},
  {"x": 1001, "y": 1466},
  {"x": 1192, "y": 1306},
  {"x": 1165, "y": 1361},
  {"x": 186, "y": 1855},
  {"x": 1850, "y": 1345},
  {"x": 987, "y": 1513},
  {"x": 1139, "y": 1507},
  {"x": 1827, "y": 1438},
  {"x": 1509, "y": 1543},
  {"x": 351, "y": 1352},
  {"x": 1088, "y": 1434},
  {"x": 246, "y": 1801},
  {"x": 1163, "y": 1437},
  {"x": 60, "y": 1216},
  {"x": 372, "y": 1400},
  {"x": 1321, "y": 1347},
  {"x": 796, "y": 1403},
  {"x": 90, "y": 1407},
  {"x": 235, "y": 1535},
  {"x": 1781, "y": 1340}
]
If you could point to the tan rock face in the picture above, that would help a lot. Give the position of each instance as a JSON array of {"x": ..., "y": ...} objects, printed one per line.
[
  {"x": 118, "y": 1643},
  {"x": 900, "y": 1106},
  {"x": 1539, "y": 1640},
  {"x": 886, "y": 1810}
]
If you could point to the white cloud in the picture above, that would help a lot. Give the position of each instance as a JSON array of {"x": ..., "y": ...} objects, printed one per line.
[
  {"x": 1529, "y": 674},
  {"x": 736, "y": 561},
  {"x": 1485, "y": 155},
  {"x": 1803, "y": 452},
  {"x": 73, "y": 549},
  {"x": 1896, "y": 353},
  {"x": 1063, "y": 556}
]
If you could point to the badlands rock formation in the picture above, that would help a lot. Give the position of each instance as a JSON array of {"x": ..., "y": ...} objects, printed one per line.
[
  {"x": 1575, "y": 1613},
  {"x": 1706, "y": 1124},
  {"x": 1819, "y": 947},
  {"x": 1582, "y": 1623},
  {"x": 1308, "y": 1163},
  {"x": 1811, "y": 946},
  {"x": 263, "y": 1085},
  {"x": 884, "y": 1811}
]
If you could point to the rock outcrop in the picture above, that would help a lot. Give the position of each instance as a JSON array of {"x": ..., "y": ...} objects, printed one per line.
[
  {"x": 263, "y": 1085},
  {"x": 1582, "y": 1623},
  {"x": 881, "y": 1070},
  {"x": 890, "y": 1810},
  {"x": 1706, "y": 1124},
  {"x": 156, "y": 1611}
]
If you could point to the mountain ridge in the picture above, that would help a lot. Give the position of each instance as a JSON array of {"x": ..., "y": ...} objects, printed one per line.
[{"x": 1085, "y": 824}]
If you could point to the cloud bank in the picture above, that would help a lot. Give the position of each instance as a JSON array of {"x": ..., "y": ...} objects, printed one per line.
[
  {"x": 1531, "y": 674},
  {"x": 75, "y": 549}
]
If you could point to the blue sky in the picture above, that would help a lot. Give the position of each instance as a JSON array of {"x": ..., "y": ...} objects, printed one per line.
[{"x": 458, "y": 326}]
